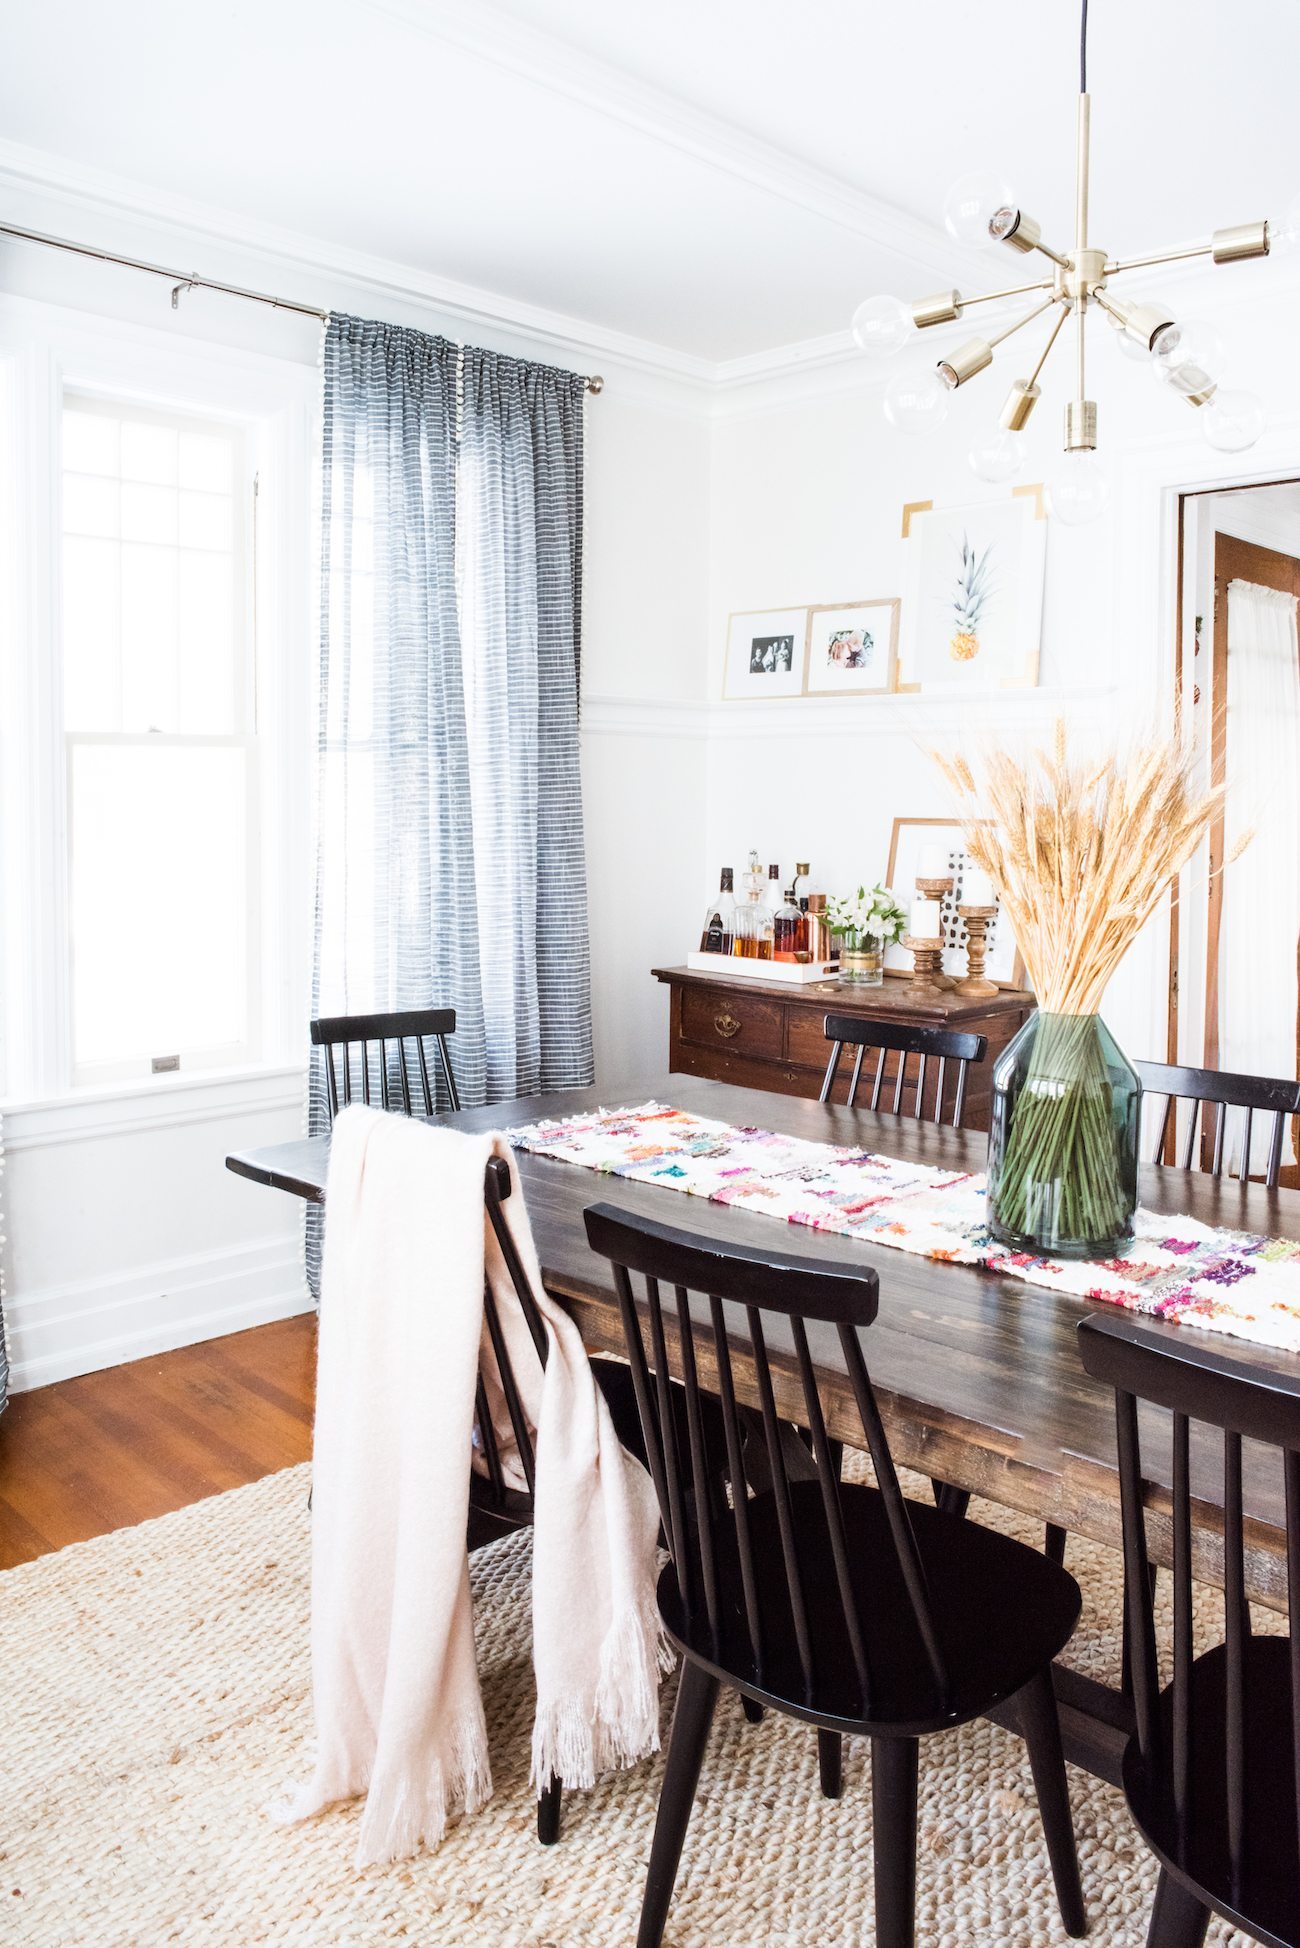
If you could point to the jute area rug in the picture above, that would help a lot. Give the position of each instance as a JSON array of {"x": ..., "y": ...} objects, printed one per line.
[{"x": 155, "y": 1687}]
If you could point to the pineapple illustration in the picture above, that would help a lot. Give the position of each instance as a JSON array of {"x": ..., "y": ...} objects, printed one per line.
[{"x": 969, "y": 601}]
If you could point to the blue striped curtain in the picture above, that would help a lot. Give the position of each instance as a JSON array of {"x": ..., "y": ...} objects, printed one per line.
[{"x": 450, "y": 845}]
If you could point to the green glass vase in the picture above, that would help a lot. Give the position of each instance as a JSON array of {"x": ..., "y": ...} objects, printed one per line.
[{"x": 1063, "y": 1140}]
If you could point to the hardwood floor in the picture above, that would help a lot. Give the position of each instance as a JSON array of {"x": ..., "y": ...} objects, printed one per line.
[{"x": 108, "y": 1449}]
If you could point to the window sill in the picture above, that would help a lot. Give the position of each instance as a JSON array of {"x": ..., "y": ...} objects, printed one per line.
[{"x": 157, "y": 1102}]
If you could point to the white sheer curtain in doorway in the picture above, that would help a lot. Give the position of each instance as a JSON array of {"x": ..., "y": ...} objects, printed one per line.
[{"x": 1261, "y": 889}]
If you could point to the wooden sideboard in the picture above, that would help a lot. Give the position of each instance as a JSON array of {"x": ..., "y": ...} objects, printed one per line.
[{"x": 768, "y": 1035}]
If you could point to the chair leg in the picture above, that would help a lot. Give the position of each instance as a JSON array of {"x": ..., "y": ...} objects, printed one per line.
[
  {"x": 697, "y": 1694},
  {"x": 1041, "y": 1727},
  {"x": 548, "y": 1812},
  {"x": 893, "y": 1814},
  {"x": 830, "y": 1763},
  {"x": 1178, "y": 1919},
  {"x": 1054, "y": 1544},
  {"x": 752, "y": 1709}
]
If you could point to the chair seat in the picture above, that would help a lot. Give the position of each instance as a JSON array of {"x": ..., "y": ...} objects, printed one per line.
[
  {"x": 1267, "y": 1902},
  {"x": 1003, "y": 1610}
]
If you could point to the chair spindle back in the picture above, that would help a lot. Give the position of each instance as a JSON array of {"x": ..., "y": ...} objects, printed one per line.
[
  {"x": 744, "y": 1298},
  {"x": 1198, "y": 1386},
  {"x": 938, "y": 1045},
  {"x": 494, "y": 1495},
  {"x": 1252, "y": 1093},
  {"x": 381, "y": 1059}
]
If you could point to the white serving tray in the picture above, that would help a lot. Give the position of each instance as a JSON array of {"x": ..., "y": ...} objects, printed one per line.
[{"x": 787, "y": 973}]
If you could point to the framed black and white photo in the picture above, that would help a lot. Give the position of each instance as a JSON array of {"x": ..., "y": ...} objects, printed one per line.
[
  {"x": 766, "y": 651},
  {"x": 915, "y": 839},
  {"x": 852, "y": 648}
]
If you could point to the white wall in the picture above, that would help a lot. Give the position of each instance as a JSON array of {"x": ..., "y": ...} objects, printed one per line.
[{"x": 125, "y": 1233}]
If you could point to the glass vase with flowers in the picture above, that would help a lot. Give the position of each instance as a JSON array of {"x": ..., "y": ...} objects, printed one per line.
[{"x": 865, "y": 923}]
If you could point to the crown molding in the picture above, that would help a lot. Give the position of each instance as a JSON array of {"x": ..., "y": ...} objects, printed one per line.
[
  {"x": 546, "y": 60},
  {"x": 97, "y": 196}
]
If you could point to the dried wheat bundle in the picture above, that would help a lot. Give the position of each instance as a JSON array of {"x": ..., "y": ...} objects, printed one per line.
[{"x": 1081, "y": 853}]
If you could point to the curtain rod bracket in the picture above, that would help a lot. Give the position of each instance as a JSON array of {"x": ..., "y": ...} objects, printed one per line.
[{"x": 595, "y": 384}]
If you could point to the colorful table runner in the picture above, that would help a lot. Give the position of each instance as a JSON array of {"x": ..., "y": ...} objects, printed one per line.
[{"x": 1179, "y": 1269}]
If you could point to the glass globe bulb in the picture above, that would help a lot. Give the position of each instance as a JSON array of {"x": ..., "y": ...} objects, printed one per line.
[
  {"x": 1284, "y": 235},
  {"x": 998, "y": 457},
  {"x": 916, "y": 402},
  {"x": 1080, "y": 491},
  {"x": 1189, "y": 357},
  {"x": 970, "y": 204},
  {"x": 1131, "y": 347},
  {"x": 882, "y": 326},
  {"x": 1232, "y": 421}
]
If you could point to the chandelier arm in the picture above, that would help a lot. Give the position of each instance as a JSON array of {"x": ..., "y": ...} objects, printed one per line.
[
  {"x": 1081, "y": 319},
  {"x": 1063, "y": 263},
  {"x": 1160, "y": 257},
  {"x": 996, "y": 338},
  {"x": 1011, "y": 291},
  {"x": 1063, "y": 313}
]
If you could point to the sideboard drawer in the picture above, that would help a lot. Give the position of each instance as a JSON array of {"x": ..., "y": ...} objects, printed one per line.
[
  {"x": 742, "y": 1023},
  {"x": 807, "y": 1044}
]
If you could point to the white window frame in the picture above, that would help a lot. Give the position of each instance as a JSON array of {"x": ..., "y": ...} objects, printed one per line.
[
  {"x": 244, "y": 737},
  {"x": 45, "y": 353}
]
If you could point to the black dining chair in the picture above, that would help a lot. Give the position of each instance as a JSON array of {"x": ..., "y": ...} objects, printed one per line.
[
  {"x": 1211, "y": 1770},
  {"x": 382, "y": 1059},
  {"x": 844, "y": 1606},
  {"x": 905, "y": 1039},
  {"x": 1253, "y": 1094},
  {"x": 498, "y": 1507}
]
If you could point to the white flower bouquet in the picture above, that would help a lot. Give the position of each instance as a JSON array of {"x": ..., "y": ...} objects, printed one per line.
[{"x": 866, "y": 916}]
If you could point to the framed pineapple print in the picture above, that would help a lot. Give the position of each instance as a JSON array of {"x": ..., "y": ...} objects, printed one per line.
[{"x": 973, "y": 601}]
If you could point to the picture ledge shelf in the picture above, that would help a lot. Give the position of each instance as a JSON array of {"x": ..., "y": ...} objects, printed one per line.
[{"x": 835, "y": 716}]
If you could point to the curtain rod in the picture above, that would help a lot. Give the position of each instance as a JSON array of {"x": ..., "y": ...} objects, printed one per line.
[{"x": 191, "y": 281}]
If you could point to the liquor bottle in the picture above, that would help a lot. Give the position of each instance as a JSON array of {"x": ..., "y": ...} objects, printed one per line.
[
  {"x": 788, "y": 931},
  {"x": 748, "y": 925},
  {"x": 719, "y": 935},
  {"x": 767, "y": 913},
  {"x": 801, "y": 887},
  {"x": 752, "y": 877}
]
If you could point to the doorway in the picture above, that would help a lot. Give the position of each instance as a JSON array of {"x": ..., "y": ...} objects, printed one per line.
[{"x": 1235, "y": 951}]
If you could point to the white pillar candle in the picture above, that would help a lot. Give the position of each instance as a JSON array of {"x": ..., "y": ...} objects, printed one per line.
[
  {"x": 927, "y": 920},
  {"x": 977, "y": 888},
  {"x": 932, "y": 863}
]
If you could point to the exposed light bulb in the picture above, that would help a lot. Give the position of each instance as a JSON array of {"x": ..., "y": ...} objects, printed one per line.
[
  {"x": 1189, "y": 357},
  {"x": 1284, "y": 234},
  {"x": 1079, "y": 492},
  {"x": 1131, "y": 347},
  {"x": 971, "y": 205},
  {"x": 882, "y": 326},
  {"x": 998, "y": 457},
  {"x": 1232, "y": 421},
  {"x": 916, "y": 402}
]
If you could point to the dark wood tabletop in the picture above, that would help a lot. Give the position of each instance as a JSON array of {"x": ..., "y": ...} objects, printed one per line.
[{"x": 978, "y": 1375}]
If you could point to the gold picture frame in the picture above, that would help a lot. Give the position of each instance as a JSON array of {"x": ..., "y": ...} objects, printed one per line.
[{"x": 842, "y": 619}]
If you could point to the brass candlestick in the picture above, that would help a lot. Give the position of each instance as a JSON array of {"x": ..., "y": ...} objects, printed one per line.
[
  {"x": 927, "y": 963},
  {"x": 938, "y": 889},
  {"x": 977, "y": 920}
]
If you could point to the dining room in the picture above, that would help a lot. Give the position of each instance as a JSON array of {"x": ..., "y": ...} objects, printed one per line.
[{"x": 649, "y": 1211}]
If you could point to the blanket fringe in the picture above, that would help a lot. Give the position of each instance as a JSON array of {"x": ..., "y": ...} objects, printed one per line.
[{"x": 576, "y": 1738}]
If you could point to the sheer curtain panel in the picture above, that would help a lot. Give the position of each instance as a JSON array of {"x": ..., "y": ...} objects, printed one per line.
[
  {"x": 450, "y": 861},
  {"x": 1261, "y": 889}
]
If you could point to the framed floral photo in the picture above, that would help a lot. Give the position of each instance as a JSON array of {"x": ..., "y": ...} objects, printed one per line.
[
  {"x": 973, "y": 596},
  {"x": 916, "y": 839},
  {"x": 766, "y": 653},
  {"x": 852, "y": 648}
]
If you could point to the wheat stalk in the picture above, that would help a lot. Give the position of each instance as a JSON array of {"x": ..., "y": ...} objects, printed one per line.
[{"x": 1081, "y": 853}]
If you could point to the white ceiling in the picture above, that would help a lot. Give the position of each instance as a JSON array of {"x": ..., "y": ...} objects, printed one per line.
[{"x": 718, "y": 176}]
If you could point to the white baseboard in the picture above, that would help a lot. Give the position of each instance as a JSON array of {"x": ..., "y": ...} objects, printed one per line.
[{"x": 61, "y": 1331}]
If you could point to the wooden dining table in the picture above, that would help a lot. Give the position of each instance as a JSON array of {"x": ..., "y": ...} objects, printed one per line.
[{"x": 977, "y": 1374}]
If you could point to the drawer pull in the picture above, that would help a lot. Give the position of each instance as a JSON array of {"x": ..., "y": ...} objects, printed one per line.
[{"x": 727, "y": 1025}]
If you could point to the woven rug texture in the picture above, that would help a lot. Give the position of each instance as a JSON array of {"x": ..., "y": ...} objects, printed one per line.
[{"x": 156, "y": 1686}]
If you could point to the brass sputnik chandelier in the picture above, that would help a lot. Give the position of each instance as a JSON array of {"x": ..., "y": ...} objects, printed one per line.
[{"x": 1188, "y": 357}]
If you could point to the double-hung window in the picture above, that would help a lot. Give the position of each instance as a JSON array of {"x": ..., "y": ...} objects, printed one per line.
[{"x": 159, "y": 718}]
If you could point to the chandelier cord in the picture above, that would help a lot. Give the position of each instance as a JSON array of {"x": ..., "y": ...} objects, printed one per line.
[{"x": 1083, "y": 50}]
